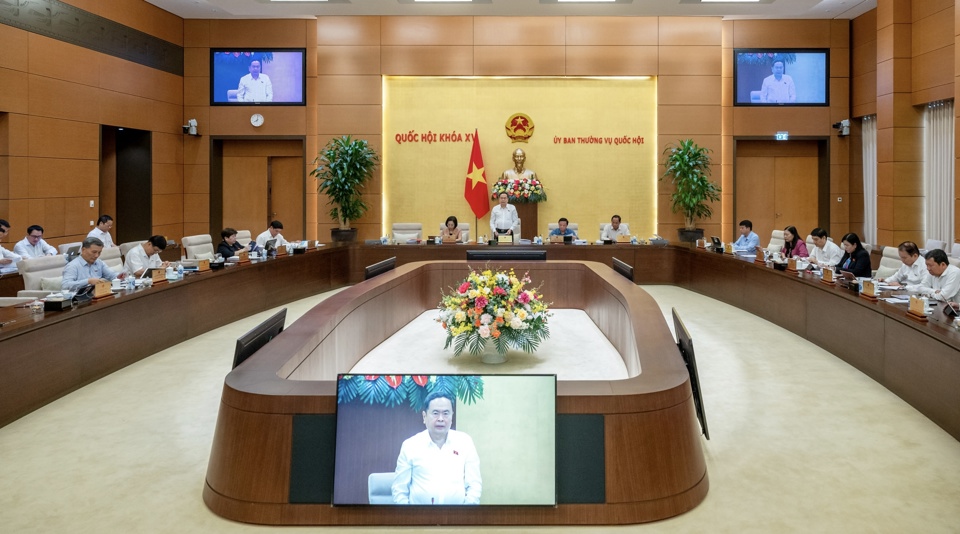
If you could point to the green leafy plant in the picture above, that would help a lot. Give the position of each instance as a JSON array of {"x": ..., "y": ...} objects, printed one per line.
[
  {"x": 395, "y": 390},
  {"x": 688, "y": 167},
  {"x": 344, "y": 166}
]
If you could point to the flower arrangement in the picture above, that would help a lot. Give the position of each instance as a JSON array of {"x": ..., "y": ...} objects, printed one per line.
[
  {"x": 765, "y": 58},
  {"x": 521, "y": 190},
  {"x": 494, "y": 306},
  {"x": 242, "y": 58}
]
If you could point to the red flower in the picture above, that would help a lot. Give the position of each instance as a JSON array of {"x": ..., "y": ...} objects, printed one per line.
[
  {"x": 394, "y": 380},
  {"x": 464, "y": 287},
  {"x": 371, "y": 378},
  {"x": 420, "y": 380}
]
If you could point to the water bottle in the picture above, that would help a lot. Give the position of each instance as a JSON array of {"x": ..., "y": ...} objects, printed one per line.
[
  {"x": 131, "y": 283},
  {"x": 180, "y": 271}
]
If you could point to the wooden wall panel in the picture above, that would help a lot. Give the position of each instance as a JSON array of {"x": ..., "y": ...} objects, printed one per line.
[
  {"x": 349, "y": 90},
  {"x": 426, "y": 31},
  {"x": 142, "y": 16},
  {"x": 689, "y": 31},
  {"x": 673, "y": 90},
  {"x": 688, "y": 119},
  {"x": 14, "y": 39},
  {"x": 167, "y": 178},
  {"x": 519, "y": 31},
  {"x": 118, "y": 109},
  {"x": 427, "y": 60},
  {"x": 933, "y": 32},
  {"x": 53, "y": 177},
  {"x": 167, "y": 148},
  {"x": 140, "y": 80},
  {"x": 196, "y": 91},
  {"x": 519, "y": 61},
  {"x": 196, "y": 33},
  {"x": 769, "y": 120},
  {"x": 196, "y": 61},
  {"x": 928, "y": 73},
  {"x": 268, "y": 33},
  {"x": 167, "y": 209},
  {"x": 196, "y": 179},
  {"x": 348, "y": 31},
  {"x": 334, "y": 59},
  {"x": 50, "y": 97},
  {"x": 612, "y": 31},
  {"x": 15, "y": 95},
  {"x": 63, "y": 61},
  {"x": 611, "y": 60},
  {"x": 196, "y": 208},
  {"x": 359, "y": 120},
  {"x": 781, "y": 33},
  {"x": 236, "y": 121},
  {"x": 690, "y": 60},
  {"x": 56, "y": 138}
]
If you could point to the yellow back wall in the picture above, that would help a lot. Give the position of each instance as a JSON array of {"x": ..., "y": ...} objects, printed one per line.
[{"x": 593, "y": 147}]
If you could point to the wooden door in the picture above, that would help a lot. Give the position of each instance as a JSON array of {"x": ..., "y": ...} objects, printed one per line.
[
  {"x": 245, "y": 193},
  {"x": 287, "y": 195},
  {"x": 776, "y": 185}
]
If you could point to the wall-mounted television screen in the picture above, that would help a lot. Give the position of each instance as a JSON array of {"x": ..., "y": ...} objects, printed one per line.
[
  {"x": 781, "y": 77},
  {"x": 446, "y": 440},
  {"x": 259, "y": 77}
]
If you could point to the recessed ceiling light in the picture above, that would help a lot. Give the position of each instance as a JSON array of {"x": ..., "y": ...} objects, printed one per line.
[
  {"x": 583, "y": 1},
  {"x": 442, "y": 1},
  {"x": 729, "y": 1}
]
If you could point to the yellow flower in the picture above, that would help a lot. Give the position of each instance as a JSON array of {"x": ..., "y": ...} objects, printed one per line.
[
  {"x": 522, "y": 314},
  {"x": 507, "y": 316},
  {"x": 460, "y": 317}
]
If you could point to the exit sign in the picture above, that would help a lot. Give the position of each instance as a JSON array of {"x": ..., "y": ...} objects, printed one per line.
[{"x": 783, "y": 136}]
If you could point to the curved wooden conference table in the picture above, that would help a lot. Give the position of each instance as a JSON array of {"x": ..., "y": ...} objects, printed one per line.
[{"x": 45, "y": 357}]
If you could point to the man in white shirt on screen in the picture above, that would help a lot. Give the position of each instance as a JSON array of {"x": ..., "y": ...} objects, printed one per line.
[
  {"x": 778, "y": 88},
  {"x": 102, "y": 231},
  {"x": 825, "y": 253},
  {"x": 438, "y": 465},
  {"x": 33, "y": 246},
  {"x": 272, "y": 232},
  {"x": 256, "y": 86}
]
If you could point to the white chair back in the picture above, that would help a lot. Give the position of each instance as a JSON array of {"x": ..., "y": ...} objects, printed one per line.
[
  {"x": 37, "y": 273},
  {"x": 198, "y": 247},
  {"x": 889, "y": 263},
  {"x": 936, "y": 243},
  {"x": 955, "y": 250},
  {"x": 112, "y": 259},
  {"x": 243, "y": 237},
  {"x": 776, "y": 241},
  {"x": 403, "y": 232}
]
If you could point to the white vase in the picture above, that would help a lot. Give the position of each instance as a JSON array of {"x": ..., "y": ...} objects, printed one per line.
[{"x": 490, "y": 354}]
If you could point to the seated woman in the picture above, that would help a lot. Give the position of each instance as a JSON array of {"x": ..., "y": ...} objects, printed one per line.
[
  {"x": 793, "y": 246},
  {"x": 229, "y": 246},
  {"x": 451, "y": 229},
  {"x": 912, "y": 271},
  {"x": 855, "y": 258}
]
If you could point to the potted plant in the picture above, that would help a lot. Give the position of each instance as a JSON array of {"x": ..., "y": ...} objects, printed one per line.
[
  {"x": 344, "y": 166},
  {"x": 688, "y": 167}
]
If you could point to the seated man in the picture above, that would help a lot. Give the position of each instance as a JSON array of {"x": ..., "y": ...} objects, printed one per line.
[
  {"x": 272, "y": 232},
  {"x": 748, "y": 240},
  {"x": 825, "y": 252},
  {"x": 145, "y": 256},
  {"x": 8, "y": 260},
  {"x": 612, "y": 230},
  {"x": 102, "y": 231},
  {"x": 943, "y": 280},
  {"x": 562, "y": 229},
  {"x": 86, "y": 268},
  {"x": 33, "y": 246}
]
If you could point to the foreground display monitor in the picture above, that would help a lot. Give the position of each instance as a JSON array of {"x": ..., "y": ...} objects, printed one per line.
[
  {"x": 498, "y": 435},
  {"x": 781, "y": 77},
  {"x": 258, "y": 77}
]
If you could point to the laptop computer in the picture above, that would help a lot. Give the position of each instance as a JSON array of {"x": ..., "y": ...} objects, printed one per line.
[{"x": 72, "y": 253}]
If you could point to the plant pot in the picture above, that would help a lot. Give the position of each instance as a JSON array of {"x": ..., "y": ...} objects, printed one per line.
[
  {"x": 689, "y": 236},
  {"x": 490, "y": 354},
  {"x": 338, "y": 235}
]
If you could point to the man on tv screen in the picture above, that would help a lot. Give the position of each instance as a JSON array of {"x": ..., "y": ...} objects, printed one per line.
[
  {"x": 438, "y": 465},
  {"x": 778, "y": 88},
  {"x": 256, "y": 86}
]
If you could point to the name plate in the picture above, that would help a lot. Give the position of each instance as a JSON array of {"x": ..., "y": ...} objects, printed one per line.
[
  {"x": 556, "y": 239},
  {"x": 869, "y": 288},
  {"x": 827, "y": 276},
  {"x": 448, "y": 240},
  {"x": 917, "y": 306},
  {"x": 728, "y": 248},
  {"x": 158, "y": 276},
  {"x": 203, "y": 265},
  {"x": 792, "y": 265},
  {"x": 281, "y": 250},
  {"x": 623, "y": 238},
  {"x": 506, "y": 239},
  {"x": 244, "y": 256},
  {"x": 759, "y": 258},
  {"x": 102, "y": 289}
]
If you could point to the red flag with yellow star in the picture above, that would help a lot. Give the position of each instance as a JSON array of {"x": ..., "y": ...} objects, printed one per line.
[{"x": 475, "y": 189}]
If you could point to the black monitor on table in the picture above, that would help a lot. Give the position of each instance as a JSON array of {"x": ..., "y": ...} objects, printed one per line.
[{"x": 253, "y": 340}]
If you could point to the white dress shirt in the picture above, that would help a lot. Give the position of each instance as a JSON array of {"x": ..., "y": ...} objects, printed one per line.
[
  {"x": 25, "y": 250},
  {"x": 944, "y": 287},
  {"x": 427, "y": 474},
  {"x": 7, "y": 255},
  {"x": 265, "y": 236},
  {"x": 102, "y": 236},
  {"x": 830, "y": 254},
  {"x": 609, "y": 234},
  {"x": 910, "y": 276},
  {"x": 255, "y": 90},
  {"x": 137, "y": 259},
  {"x": 505, "y": 218}
]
